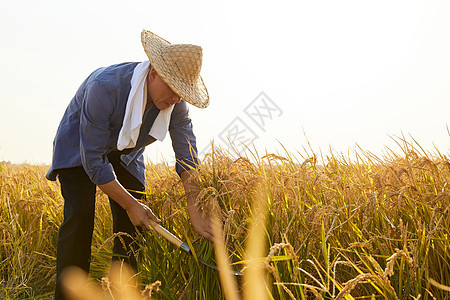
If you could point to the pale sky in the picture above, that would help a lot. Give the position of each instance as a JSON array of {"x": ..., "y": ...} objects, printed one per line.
[{"x": 343, "y": 72}]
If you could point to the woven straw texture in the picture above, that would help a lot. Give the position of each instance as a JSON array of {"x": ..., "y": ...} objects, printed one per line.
[{"x": 179, "y": 66}]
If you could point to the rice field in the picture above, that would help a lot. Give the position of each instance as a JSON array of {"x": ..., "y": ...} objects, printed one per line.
[{"x": 300, "y": 226}]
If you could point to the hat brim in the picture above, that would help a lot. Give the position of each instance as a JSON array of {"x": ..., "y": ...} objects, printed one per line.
[{"x": 194, "y": 93}]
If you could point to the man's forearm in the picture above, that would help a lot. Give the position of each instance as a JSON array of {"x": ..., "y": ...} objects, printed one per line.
[
  {"x": 189, "y": 187},
  {"x": 138, "y": 213},
  {"x": 201, "y": 225},
  {"x": 118, "y": 193}
]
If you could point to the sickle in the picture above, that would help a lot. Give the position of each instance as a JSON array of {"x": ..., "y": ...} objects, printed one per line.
[{"x": 180, "y": 244}]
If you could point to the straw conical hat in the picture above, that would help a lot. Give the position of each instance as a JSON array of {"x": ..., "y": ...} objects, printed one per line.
[{"x": 179, "y": 66}]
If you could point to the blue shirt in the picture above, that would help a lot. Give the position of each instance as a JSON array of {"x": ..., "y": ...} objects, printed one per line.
[{"x": 90, "y": 128}]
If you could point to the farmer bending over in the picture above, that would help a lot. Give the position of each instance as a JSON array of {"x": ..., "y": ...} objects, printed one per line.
[{"x": 116, "y": 112}]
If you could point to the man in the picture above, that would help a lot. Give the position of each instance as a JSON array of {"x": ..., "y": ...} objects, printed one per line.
[{"x": 116, "y": 112}]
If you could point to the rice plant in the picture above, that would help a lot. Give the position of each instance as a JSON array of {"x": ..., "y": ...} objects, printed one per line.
[{"x": 316, "y": 226}]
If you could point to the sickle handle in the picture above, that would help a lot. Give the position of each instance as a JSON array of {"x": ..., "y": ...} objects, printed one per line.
[
  {"x": 179, "y": 243},
  {"x": 166, "y": 234}
]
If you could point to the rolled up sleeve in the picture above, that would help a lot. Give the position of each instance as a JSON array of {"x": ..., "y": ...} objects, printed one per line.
[
  {"x": 184, "y": 142},
  {"x": 96, "y": 112}
]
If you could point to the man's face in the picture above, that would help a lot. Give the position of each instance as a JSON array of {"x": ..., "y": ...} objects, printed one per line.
[{"x": 160, "y": 93}]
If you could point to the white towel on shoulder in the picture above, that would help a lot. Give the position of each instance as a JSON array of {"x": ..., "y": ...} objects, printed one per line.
[{"x": 132, "y": 121}]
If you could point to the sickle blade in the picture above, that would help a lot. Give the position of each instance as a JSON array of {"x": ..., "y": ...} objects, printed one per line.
[{"x": 186, "y": 248}]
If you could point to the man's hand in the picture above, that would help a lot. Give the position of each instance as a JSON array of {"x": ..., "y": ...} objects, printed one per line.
[
  {"x": 140, "y": 213},
  {"x": 201, "y": 225},
  {"x": 137, "y": 212}
]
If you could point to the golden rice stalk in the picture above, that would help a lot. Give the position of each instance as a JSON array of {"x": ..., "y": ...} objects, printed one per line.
[
  {"x": 389, "y": 271},
  {"x": 121, "y": 286},
  {"x": 227, "y": 280},
  {"x": 150, "y": 288},
  {"x": 361, "y": 278},
  {"x": 439, "y": 285},
  {"x": 255, "y": 286},
  {"x": 77, "y": 287},
  {"x": 124, "y": 282}
]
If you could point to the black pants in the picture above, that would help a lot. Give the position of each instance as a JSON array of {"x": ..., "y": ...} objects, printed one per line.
[{"x": 75, "y": 233}]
